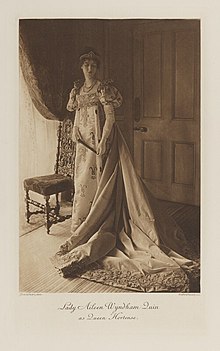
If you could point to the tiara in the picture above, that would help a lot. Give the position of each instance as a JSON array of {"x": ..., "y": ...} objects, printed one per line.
[{"x": 90, "y": 55}]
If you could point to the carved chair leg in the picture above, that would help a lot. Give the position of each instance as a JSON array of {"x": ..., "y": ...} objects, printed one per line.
[
  {"x": 28, "y": 213},
  {"x": 47, "y": 212},
  {"x": 57, "y": 208}
]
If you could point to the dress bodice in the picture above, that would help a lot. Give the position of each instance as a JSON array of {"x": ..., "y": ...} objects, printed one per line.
[
  {"x": 87, "y": 100},
  {"x": 102, "y": 92}
]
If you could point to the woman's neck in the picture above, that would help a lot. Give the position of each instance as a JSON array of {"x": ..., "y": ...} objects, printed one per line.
[
  {"x": 89, "y": 82},
  {"x": 89, "y": 85}
]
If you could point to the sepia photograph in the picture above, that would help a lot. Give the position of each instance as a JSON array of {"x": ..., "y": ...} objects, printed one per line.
[
  {"x": 110, "y": 173},
  {"x": 109, "y": 155}
]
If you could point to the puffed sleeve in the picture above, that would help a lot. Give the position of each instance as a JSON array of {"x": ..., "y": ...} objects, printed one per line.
[
  {"x": 109, "y": 94},
  {"x": 110, "y": 98}
]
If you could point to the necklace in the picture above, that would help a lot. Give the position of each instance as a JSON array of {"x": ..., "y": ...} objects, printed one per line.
[{"x": 87, "y": 89}]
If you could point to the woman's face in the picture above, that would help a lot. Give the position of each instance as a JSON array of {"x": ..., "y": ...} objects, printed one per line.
[{"x": 89, "y": 69}]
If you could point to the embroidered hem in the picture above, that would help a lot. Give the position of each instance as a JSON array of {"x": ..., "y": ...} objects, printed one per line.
[{"x": 169, "y": 281}]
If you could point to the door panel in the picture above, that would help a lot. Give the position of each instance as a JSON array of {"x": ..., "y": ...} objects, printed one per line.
[
  {"x": 153, "y": 153},
  {"x": 183, "y": 172},
  {"x": 184, "y": 71},
  {"x": 152, "y": 90},
  {"x": 166, "y": 108}
]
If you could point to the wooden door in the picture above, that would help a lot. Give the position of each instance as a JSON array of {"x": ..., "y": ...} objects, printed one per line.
[{"x": 166, "y": 107}]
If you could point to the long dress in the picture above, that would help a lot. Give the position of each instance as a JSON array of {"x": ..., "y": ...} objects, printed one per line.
[
  {"x": 89, "y": 119},
  {"x": 120, "y": 233}
]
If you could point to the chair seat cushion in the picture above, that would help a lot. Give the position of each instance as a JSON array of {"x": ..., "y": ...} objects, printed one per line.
[{"x": 48, "y": 184}]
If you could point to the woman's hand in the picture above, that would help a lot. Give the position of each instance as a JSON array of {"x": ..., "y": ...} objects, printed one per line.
[
  {"x": 76, "y": 134},
  {"x": 101, "y": 147}
]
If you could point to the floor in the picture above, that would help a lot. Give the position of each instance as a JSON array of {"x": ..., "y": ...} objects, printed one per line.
[{"x": 37, "y": 275}]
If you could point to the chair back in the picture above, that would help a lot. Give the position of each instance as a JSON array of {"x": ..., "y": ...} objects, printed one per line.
[{"x": 65, "y": 158}]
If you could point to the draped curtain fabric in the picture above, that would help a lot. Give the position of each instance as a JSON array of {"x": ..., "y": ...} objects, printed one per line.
[{"x": 45, "y": 56}]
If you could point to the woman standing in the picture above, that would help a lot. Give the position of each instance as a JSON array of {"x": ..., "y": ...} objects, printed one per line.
[
  {"x": 119, "y": 235},
  {"x": 91, "y": 129}
]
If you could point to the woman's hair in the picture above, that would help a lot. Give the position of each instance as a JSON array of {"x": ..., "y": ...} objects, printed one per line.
[{"x": 89, "y": 54}]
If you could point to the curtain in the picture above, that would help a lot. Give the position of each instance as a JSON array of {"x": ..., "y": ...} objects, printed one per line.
[
  {"x": 37, "y": 141},
  {"x": 45, "y": 54}
]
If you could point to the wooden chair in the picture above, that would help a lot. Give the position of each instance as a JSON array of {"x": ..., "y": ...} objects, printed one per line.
[{"x": 54, "y": 184}]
